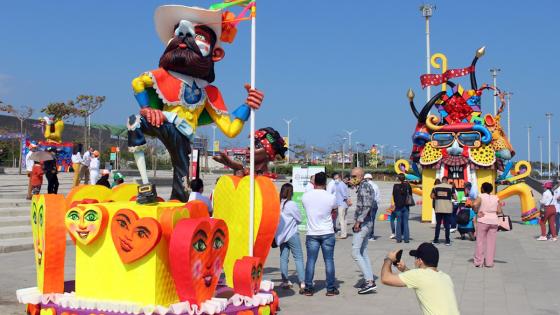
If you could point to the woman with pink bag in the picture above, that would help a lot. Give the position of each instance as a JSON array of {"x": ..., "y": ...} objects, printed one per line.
[
  {"x": 548, "y": 212},
  {"x": 488, "y": 208}
]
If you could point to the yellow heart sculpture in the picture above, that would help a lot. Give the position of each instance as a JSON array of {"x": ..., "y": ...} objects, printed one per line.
[{"x": 231, "y": 204}]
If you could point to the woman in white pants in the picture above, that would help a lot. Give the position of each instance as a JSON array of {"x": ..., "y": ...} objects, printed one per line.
[{"x": 94, "y": 168}]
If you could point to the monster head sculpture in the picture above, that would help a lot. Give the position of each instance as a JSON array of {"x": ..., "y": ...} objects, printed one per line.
[{"x": 461, "y": 140}]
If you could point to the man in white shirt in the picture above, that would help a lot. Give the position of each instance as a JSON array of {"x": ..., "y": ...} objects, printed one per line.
[
  {"x": 340, "y": 191},
  {"x": 76, "y": 165},
  {"x": 84, "y": 168},
  {"x": 319, "y": 205},
  {"x": 29, "y": 167},
  {"x": 197, "y": 187},
  {"x": 311, "y": 184},
  {"x": 377, "y": 199}
]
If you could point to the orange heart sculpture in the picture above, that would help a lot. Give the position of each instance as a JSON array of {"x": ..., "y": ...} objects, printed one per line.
[
  {"x": 80, "y": 193},
  {"x": 170, "y": 216},
  {"x": 134, "y": 237},
  {"x": 86, "y": 222},
  {"x": 196, "y": 254},
  {"x": 231, "y": 204},
  {"x": 247, "y": 276}
]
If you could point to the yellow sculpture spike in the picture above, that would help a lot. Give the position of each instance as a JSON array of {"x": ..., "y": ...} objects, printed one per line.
[{"x": 443, "y": 65}]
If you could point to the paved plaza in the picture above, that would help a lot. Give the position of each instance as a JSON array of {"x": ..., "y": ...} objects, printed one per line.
[{"x": 524, "y": 280}]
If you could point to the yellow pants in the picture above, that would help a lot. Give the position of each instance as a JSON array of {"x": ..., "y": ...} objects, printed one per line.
[{"x": 76, "y": 167}]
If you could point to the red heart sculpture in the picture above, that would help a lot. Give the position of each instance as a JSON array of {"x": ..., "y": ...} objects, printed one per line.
[
  {"x": 247, "y": 276},
  {"x": 197, "y": 250},
  {"x": 134, "y": 237}
]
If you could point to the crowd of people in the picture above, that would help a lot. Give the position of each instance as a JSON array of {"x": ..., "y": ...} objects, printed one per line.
[
  {"x": 86, "y": 168},
  {"x": 475, "y": 215}
]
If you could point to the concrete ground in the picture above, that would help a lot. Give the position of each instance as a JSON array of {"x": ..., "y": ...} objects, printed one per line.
[{"x": 523, "y": 281}]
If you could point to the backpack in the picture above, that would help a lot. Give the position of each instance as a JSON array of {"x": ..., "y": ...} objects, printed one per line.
[{"x": 463, "y": 216}]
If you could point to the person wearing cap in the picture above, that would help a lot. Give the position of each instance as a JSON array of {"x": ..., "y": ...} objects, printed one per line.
[
  {"x": 434, "y": 288},
  {"x": 94, "y": 166},
  {"x": 362, "y": 228},
  {"x": 548, "y": 212},
  {"x": 178, "y": 97},
  {"x": 29, "y": 167},
  {"x": 118, "y": 178},
  {"x": 51, "y": 170},
  {"x": 375, "y": 206}
]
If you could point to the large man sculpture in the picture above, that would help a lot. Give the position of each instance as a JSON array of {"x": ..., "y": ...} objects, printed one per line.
[{"x": 177, "y": 97}]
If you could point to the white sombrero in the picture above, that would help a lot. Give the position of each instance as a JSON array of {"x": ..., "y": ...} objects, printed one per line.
[{"x": 167, "y": 16}]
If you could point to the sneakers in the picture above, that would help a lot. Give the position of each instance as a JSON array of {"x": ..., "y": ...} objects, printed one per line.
[
  {"x": 435, "y": 242},
  {"x": 447, "y": 243},
  {"x": 308, "y": 292},
  {"x": 371, "y": 239},
  {"x": 369, "y": 287},
  {"x": 453, "y": 230},
  {"x": 392, "y": 236},
  {"x": 542, "y": 238},
  {"x": 554, "y": 239},
  {"x": 286, "y": 285},
  {"x": 332, "y": 292}
]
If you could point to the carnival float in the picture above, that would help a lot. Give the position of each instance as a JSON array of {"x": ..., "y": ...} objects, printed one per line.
[
  {"x": 463, "y": 143},
  {"x": 139, "y": 254}
]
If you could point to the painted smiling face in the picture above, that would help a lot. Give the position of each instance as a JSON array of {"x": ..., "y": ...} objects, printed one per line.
[
  {"x": 37, "y": 226},
  {"x": 197, "y": 250},
  {"x": 134, "y": 237},
  {"x": 247, "y": 276},
  {"x": 49, "y": 241},
  {"x": 86, "y": 222}
]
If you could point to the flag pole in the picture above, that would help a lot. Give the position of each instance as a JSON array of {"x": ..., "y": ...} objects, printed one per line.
[{"x": 252, "y": 137}]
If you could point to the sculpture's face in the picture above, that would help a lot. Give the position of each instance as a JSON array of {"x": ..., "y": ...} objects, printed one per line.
[
  {"x": 37, "y": 226},
  {"x": 465, "y": 142},
  {"x": 134, "y": 237},
  {"x": 86, "y": 222}
]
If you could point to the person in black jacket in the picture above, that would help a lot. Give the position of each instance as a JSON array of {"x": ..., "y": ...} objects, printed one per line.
[
  {"x": 50, "y": 169},
  {"x": 401, "y": 193}
]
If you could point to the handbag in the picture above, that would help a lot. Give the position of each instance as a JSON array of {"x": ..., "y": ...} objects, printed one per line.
[
  {"x": 409, "y": 200},
  {"x": 504, "y": 223}
]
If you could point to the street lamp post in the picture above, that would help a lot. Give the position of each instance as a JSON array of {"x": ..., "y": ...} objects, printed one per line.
[
  {"x": 558, "y": 159},
  {"x": 495, "y": 72},
  {"x": 214, "y": 140},
  {"x": 549, "y": 118},
  {"x": 540, "y": 149},
  {"x": 529, "y": 143},
  {"x": 288, "y": 121},
  {"x": 357, "y": 154},
  {"x": 350, "y": 143},
  {"x": 508, "y": 95},
  {"x": 343, "y": 164},
  {"x": 427, "y": 12}
]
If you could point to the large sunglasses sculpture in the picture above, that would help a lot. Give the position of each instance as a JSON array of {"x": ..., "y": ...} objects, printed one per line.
[{"x": 462, "y": 143}]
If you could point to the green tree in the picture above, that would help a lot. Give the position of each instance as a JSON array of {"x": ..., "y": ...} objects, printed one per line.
[
  {"x": 61, "y": 110},
  {"x": 22, "y": 114},
  {"x": 87, "y": 105}
]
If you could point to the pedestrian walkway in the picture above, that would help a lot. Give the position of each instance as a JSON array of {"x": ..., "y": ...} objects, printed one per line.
[{"x": 524, "y": 280}]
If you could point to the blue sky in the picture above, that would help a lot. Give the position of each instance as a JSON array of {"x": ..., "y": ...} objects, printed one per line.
[{"x": 332, "y": 65}]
